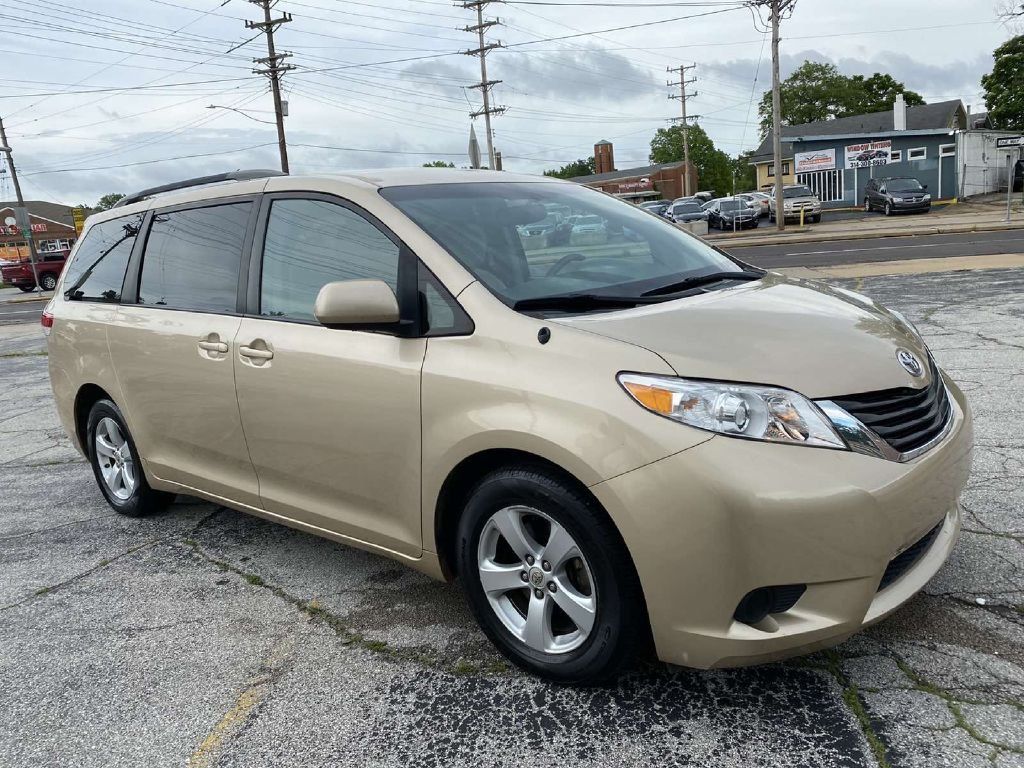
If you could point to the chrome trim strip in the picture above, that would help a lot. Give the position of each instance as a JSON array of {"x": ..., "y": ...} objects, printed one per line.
[{"x": 863, "y": 440}]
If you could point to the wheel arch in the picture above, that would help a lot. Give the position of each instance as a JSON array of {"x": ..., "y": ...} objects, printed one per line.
[
  {"x": 463, "y": 478},
  {"x": 86, "y": 397}
]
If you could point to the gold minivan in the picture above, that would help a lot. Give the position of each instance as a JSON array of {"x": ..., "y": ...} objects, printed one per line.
[{"x": 616, "y": 442}]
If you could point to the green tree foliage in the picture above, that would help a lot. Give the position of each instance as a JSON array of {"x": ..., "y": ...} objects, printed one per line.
[
  {"x": 107, "y": 201},
  {"x": 438, "y": 164},
  {"x": 580, "y": 167},
  {"x": 817, "y": 91},
  {"x": 1004, "y": 86},
  {"x": 746, "y": 174},
  {"x": 714, "y": 167}
]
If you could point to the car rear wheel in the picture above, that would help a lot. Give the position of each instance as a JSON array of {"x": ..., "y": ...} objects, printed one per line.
[
  {"x": 26, "y": 288},
  {"x": 48, "y": 281},
  {"x": 548, "y": 578},
  {"x": 116, "y": 465}
]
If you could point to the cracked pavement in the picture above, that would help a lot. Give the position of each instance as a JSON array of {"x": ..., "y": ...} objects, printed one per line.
[{"x": 209, "y": 638}]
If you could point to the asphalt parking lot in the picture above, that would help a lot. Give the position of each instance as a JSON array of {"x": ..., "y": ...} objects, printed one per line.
[{"x": 206, "y": 637}]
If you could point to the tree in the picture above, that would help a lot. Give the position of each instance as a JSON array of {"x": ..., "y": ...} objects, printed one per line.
[
  {"x": 1004, "y": 96},
  {"x": 714, "y": 167},
  {"x": 581, "y": 167},
  {"x": 107, "y": 201},
  {"x": 817, "y": 91},
  {"x": 438, "y": 164},
  {"x": 746, "y": 174}
]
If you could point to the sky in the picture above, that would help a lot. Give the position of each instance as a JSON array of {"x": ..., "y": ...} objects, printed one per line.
[{"x": 106, "y": 96}]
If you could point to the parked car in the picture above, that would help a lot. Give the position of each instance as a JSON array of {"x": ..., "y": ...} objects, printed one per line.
[
  {"x": 731, "y": 213},
  {"x": 762, "y": 200},
  {"x": 687, "y": 210},
  {"x": 588, "y": 230},
  {"x": 752, "y": 202},
  {"x": 48, "y": 267},
  {"x": 1018, "y": 176},
  {"x": 797, "y": 198},
  {"x": 657, "y": 207},
  {"x": 896, "y": 195},
  {"x": 656, "y": 446}
]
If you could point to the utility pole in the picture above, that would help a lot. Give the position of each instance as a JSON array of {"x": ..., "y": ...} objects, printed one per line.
[
  {"x": 484, "y": 85},
  {"x": 27, "y": 221},
  {"x": 273, "y": 68},
  {"x": 681, "y": 70},
  {"x": 780, "y": 209}
]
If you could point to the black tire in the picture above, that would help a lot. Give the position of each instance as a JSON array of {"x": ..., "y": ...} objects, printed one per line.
[
  {"x": 867, "y": 205},
  {"x": 143, "y": 500},
  {"x": 26, "y": 288},
  {"x": 620, "y": 626},
  {"x": 48, "y": 281},
  {"x": 888, "y": 209},
  {"x": 815, "y": 219}
]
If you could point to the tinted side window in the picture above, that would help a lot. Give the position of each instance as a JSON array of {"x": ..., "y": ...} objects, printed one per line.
[
  {"x": 312, "y": 242},
  {"x": 97, "y": 271},
  {"x": 192, "y": 258}
]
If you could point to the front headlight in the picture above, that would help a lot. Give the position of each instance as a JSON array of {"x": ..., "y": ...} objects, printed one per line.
[
  {"x": 737, "y": 410},
  {"x": 897, "y": 199},
  {"x": 927, "y": 196}
]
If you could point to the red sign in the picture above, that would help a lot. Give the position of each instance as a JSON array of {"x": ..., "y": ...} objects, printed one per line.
[{"x": 41, "y": 227}]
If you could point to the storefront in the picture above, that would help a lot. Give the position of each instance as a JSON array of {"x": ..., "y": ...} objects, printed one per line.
[{"x": 53, "y": 230}]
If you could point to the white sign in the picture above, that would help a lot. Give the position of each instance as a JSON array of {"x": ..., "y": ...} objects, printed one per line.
[
  {"x": 867, "y": 154},
  {"x": 1010, "y": 141},
  {"x": 818, "y": 160}
]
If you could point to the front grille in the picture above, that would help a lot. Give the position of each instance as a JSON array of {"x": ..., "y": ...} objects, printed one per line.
[
  {"x": 905, "y": 559},
  {"x": 905, "y": 418}
]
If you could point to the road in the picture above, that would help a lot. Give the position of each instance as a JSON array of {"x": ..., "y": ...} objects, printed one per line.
[
  {"x": 827, "y": 254},
  {"x": 12, "y": 312}
]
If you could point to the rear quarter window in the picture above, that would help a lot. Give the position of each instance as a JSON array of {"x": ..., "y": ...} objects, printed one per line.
[{"x": 97, "y": 271}]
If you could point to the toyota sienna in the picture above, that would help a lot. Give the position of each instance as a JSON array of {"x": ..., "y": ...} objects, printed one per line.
[{"x": 615, "y": 444}]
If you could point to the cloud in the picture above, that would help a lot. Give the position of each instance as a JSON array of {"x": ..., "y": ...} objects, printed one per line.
[
  {"x": 587, "y": 74},
  {"x": 936, "y": 82}
]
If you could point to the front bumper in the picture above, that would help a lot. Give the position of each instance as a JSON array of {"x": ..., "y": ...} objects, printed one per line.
[
  {"x": 707, "y": 525},
  {"x": 910, "y": 207}
]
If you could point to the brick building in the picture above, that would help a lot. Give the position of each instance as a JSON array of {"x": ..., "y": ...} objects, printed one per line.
[
  {"x": 663, "y": 181},
  {"x": 53, "y": 229}
]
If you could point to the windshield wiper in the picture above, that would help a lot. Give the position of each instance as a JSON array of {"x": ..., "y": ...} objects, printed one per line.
[
  {"x": 699, "y": 280},
  {"x": 580, "y": 301}
]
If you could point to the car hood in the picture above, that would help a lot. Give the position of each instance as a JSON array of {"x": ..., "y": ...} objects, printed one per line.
[{"x": 785, "y": 332}]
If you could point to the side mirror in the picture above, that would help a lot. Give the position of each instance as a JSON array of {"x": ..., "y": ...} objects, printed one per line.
[
  {"x": 924, "y": 186},
  {"x": 356, "y": 304}
]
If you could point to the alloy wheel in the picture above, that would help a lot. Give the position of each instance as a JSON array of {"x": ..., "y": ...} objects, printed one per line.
[
  {"x": 536, "y": 580},
  {"x": 114, "y": 457},
  {"x": 49, "y": 282}
]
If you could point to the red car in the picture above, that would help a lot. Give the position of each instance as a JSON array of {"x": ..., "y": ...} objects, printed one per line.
[{"x": 48, "y": 267}]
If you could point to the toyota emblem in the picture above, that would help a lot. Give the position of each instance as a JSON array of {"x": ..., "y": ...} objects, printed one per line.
[{"x": 910, "y": 362}]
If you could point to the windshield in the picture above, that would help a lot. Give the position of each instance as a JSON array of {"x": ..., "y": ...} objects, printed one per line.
[
  {"x": 733, "y": 205},
  {"x": 589, "y": 220},
  {"x": 903, "y": 185},
  {"x": 485, "y": 226},
  {"x": 789, "y": 192},
  {"x": 687, "y": 208}
]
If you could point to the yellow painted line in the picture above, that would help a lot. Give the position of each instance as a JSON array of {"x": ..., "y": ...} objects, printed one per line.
[
  {"x": 909, "y": 266},
  {"x": 232, "y": 721}
]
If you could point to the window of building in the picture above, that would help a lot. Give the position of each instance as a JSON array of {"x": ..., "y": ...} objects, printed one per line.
[
  {"x": 97, "y": 271},
  {"x": 827, "y": 185},
  {"x": 771, "y": 169},
  {"x": 896, "y": 156},
  {"x": 918, "y": 153},
  {"x": 310, "y": 243},
  {"x": 947, "y": 150},
  {"x": 55, "y": 246},
  {"x": 193, "y": 257}
]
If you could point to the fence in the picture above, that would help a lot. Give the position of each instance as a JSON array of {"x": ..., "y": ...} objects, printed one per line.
[{"x": 827, "y": 185}]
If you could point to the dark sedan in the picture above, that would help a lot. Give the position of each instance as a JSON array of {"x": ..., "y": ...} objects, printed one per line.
[
  {"x": 731, "y": 213},
  {"x": 896, "y": 195}
]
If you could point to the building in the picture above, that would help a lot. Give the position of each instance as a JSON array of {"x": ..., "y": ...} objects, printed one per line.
[
  {"x": 835, "y": 158},
  {"x": 663, "y": 181},
  {"x": 53, "y": 229}
]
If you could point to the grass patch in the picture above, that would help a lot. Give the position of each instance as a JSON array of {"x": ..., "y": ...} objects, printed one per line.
[{"x": 38, "y": 353}]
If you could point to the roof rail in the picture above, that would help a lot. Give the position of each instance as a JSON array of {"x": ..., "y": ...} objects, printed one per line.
[{"x": 196, "y": 182}]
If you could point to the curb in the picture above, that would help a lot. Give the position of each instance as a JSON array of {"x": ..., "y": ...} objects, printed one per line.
[
  {"x": 32, "y": 297},
  {"x": 808, "y": 236}
]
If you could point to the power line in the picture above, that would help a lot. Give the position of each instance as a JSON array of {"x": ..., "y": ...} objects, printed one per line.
[
  {"x": 484, "y": 85},
  {"x": 682, "y": 96},
  {"x": 273, "y": 68}
]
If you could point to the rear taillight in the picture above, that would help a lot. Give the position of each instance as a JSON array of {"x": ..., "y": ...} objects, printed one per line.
[{"x": 46, "y": 320}]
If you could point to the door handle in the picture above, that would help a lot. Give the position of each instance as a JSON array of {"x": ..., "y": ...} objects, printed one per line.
[
  {"x": 255, "y": 353},
  {"x": 213, "y": 346}
]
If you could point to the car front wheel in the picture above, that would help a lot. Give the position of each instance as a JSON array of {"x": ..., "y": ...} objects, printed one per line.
[
  {"x": 548, "y": 578},
  {"x": 867, "y": 205},
  {"x": 116, "y": 466},
  {"x": 888, "y": 209}
]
